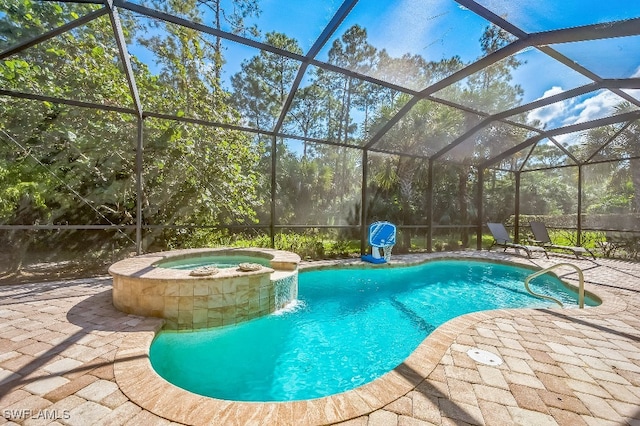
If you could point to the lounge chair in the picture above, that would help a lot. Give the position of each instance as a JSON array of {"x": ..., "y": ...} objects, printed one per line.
[
  {"x": 501, "y": 238},
  {"x": 541, "y": 237}
]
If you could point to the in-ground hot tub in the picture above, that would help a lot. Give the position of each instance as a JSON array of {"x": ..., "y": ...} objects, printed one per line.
[{"x": 154, "y": 285}]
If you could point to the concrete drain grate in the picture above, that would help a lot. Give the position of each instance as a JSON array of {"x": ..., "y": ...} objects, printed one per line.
[{"x": 484, "y": 357}]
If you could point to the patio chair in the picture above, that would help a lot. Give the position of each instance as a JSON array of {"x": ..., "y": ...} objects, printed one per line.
[
  {"x": 501, "y": 238},
  {"x": 542, "y": 238}
]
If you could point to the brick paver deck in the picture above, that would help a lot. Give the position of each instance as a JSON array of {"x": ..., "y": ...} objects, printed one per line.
[{"x": 61, "y": 342}]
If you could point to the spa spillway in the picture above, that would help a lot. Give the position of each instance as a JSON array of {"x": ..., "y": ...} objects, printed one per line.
[{"x": 204, "y": 295}]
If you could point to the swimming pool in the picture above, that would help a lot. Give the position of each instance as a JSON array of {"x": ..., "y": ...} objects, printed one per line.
[{"x": 349, "y": 327}]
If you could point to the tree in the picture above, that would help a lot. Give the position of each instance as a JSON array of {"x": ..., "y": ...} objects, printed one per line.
[
  {"x": 60, "y": 164},
  {"x": 422, "y": 131},
  {"x": 233, "y": 13},
  {"x": 343, "y": 95},
  {"x": 67, "y": 165},
  {"x": 625, "y": 145},
  {"x": 262, "y": 85},
  {"x": 487, "y": 90},
  {"x": 306, "y": 114},
  {"x": 194, "y": 174}
]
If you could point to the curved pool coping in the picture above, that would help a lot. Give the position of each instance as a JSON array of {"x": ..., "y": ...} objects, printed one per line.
[
  {"x": 141, "y": 384},
  {"x": 146, "y": 265}
]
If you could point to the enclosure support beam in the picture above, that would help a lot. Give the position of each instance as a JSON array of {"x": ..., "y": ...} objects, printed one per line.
[
  {"x": 518, "y": 110},
  {"x": 139, "y": 197},
  {"x": 600, "y": 122},
  {"x": 579, "y": 222},
  {"x": 340, "y": 15},
  {"x": 53, "y": 33},
  {"x": 272, "y": 222},
  {"x": 363, "y": 202},
  {"x": 430, "y": 207},
  {"x": 516, "y": 221},
  {"x": 72, "y": 102},
  {"x": 121, "y": 42},
  {"x": 479, "y": 209},
  {"x": 608, "y": 142}
]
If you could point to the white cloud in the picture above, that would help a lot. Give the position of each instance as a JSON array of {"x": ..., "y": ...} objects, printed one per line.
[
  {"x": 553, "y": 91},
  {"x": 550, "y": 113},
  {"x": 577, "y": 110},
  {"x": 634, "y": 92},
  {"x": 597, "y": 106},
  {"x": 565, "y": 139}
]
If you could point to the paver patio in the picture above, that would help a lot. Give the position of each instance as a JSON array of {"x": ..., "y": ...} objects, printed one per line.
[{"x": 59, "y": 342}]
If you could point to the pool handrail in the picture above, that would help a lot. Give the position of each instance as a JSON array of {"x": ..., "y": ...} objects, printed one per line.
[{"x": 544, "y": 271}]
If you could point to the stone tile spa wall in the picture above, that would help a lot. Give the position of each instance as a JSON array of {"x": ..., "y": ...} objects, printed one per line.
[{"x": 228, "y": 297}]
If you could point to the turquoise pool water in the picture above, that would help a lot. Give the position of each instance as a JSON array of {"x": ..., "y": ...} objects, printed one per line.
[
  {"x": 213, "y": 260},
  {"x": 349, "y": 327}
]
